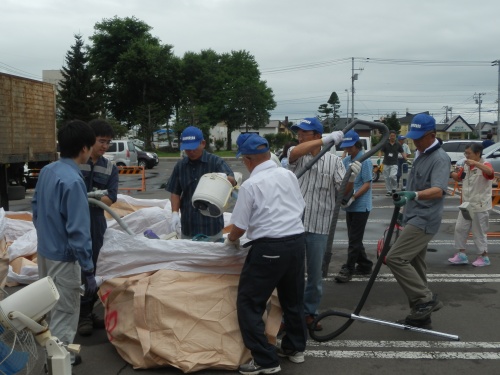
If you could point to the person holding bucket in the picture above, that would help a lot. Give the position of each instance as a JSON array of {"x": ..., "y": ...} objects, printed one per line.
[{"x": 183, "y": 182}]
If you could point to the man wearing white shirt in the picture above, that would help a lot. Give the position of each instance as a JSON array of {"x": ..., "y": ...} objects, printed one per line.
[{"x": 269, "y": 209}]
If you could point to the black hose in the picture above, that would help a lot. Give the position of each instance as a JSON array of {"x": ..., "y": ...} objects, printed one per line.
[{"x": 366, "y": 292}]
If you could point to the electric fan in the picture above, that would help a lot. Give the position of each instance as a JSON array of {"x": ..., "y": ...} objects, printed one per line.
[{"x": 22, "y": 315}]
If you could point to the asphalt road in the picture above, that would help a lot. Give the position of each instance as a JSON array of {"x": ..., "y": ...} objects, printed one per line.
[{"x": 470, "y": 296}]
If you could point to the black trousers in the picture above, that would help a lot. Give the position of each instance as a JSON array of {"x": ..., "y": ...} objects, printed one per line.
[
  {"x": 356, "y": 254},
  {"x": 270, "y": 264}
]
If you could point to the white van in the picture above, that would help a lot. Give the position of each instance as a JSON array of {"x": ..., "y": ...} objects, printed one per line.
[
  {"x": 122, "y": 153},
  {"x": 455, "y": 148}
]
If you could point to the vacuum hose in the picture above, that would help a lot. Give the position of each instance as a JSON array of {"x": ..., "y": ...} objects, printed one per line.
[{"x": 111, "y": 212}]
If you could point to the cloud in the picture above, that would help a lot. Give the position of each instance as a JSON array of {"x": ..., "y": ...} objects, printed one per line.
[{"x": 36, "y": 35}]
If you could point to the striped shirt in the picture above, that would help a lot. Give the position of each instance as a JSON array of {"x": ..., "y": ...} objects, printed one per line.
[
  {"x": 318, "y": 187},
  {"x": 103, "y": 175},
  {"x": 183, "y": 182}
]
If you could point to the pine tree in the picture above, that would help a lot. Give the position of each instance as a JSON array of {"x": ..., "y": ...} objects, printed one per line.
[{"x": 77, "y": 96}]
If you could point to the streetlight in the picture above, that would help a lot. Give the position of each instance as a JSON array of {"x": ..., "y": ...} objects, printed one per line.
[{"x": 497, "y": 63}]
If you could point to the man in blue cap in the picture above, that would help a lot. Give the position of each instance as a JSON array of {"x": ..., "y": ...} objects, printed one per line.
[
  {"x": 183, "y": 182},
  {"x": 424, "y": 200},
  {"x": 357, "y": 208},
  {"x": 269, "y": 209},
  {"x": 318, "y": 186}
]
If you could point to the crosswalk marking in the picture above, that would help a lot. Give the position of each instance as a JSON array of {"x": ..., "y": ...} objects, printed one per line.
[
  {"x": 401, "y": 354},
  {"x": 433, "y": 278},
  {"x": 406, "y": 344}
]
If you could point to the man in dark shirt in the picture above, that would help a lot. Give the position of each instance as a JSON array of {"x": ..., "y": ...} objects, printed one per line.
[
  {"x": 183, "y": 182},
  {"x": 390, "y": 151}
]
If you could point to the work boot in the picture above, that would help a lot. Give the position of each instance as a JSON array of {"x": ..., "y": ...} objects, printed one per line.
[
  {"x": 97, "y": 322},
  {"x": 85, "y": 325},
  {"x": 344, "y": 276}
]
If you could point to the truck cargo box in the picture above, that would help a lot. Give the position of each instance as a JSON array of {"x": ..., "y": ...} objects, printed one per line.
[{"x": 27, "y": 120}]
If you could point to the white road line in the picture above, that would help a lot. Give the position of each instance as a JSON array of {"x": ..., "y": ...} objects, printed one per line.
[
  {"x": 446, "y": 275},
  {"x": 402, "y": 355},
  {"x": 405, "y": 344},
  {"x": 449, "y": 243},
  {"x": 433, "y": 278},
  {"x": 393, "y": 280}
]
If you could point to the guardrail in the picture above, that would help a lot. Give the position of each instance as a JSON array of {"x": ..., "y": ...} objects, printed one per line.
[{"x": 130, "y": 172}]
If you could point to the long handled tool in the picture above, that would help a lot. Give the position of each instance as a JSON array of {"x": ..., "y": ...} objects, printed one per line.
[
  {"x": 341, "y": 192},
  {"x": 355, "y": 315}
]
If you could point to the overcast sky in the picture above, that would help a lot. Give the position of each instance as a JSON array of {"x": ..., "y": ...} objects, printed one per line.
[{"x": 415, "y": 55}]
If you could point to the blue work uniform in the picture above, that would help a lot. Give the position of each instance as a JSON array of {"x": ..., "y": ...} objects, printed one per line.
[
  {"x": 103, "y": 175},
  {"x": 183, "y": 182}
]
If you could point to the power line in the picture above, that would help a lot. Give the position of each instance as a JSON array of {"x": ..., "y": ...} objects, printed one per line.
[
  {"x": 10, "y": 69},
  {"x": 374, "y": 60}
]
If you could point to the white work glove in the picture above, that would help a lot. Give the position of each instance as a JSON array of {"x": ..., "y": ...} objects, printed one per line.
[
  {"x": 336, "y": 137},
  {"x": 235, "y": 243},
  {"x": 355, "y": 169},
  {"x": 349, "y": 202},
  {"x": 176, "y": 223}
]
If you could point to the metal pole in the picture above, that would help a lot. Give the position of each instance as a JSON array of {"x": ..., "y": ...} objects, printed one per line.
[
  {"x": 497, "y": 63},
  {"x": 347, "y": 111},
  {"x": 352, "y": 91}
]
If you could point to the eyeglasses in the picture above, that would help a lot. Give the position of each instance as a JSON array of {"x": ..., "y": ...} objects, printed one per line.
[{"x": 305, "y": 134}]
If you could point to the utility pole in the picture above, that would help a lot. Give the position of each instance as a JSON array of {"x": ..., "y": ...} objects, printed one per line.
[
  {"x": 347, "y": 111},
  {"x": 497, "y": 63},
  {"x": 354, "y": 77},
  {"x": 447, "y": 109},
  {"x": 477, "y": 97}
]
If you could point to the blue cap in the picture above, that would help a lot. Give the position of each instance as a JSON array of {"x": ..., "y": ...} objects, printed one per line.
[
  {"x": 401, "y": 137},
  {"x": 191, "y": 138},
  {"x": 248, "y": 144},
  {"x": 421, "y": 124},
  {"x": 309, "y": 123},
  {"x": 350, "y": 139}
]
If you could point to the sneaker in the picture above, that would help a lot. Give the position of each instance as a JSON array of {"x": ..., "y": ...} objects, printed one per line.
[
  {"x": 459, "y": 258},
  {"x": 423, "y": 311},
  {"x": 344, "y": 276},
  {"x": 293, "y": 356},
  {"x": 252, "y": 368},
  {"x": 388, "y": 194},
  {"x": 309, "y": 323},
  {"x": 425, "y": 323},
  {"x": 85, "y": 326},
  {"x": 481, "y": 261}
]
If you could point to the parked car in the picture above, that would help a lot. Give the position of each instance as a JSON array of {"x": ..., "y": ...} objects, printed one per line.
[
  {"x": 146, "y": 159},
  {"x": 491, "y": 154},
  {"x": 455, "y": 148},
  {"x": 122, "y": 153}
]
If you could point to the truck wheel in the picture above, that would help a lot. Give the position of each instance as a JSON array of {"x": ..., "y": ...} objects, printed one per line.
[
  {"x": 375, "y": 176},
  {"x": 16, "y": 193}
]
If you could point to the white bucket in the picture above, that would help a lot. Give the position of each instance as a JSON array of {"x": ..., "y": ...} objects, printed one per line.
[{"x": 212, "y": 194}]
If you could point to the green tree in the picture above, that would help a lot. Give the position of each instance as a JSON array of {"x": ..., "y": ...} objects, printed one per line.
[
  {"x": 76, "y": 97},
  {"x": 244, "y": 99},
  {"x": 392, "y": 122},
  {"x": 138, "y": 74},
  {"x": 331, "y": 107}
]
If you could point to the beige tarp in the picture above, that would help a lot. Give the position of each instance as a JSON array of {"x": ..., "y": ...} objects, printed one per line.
[{"x": 186, "y": 320}]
